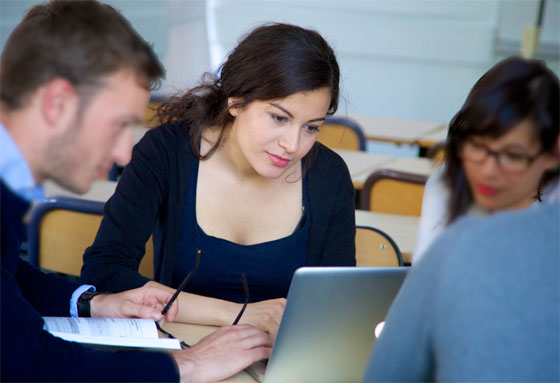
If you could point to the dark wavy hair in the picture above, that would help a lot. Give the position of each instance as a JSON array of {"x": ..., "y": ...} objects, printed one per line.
[
  {"x": 273, "y": 61},
  {"x": 514, "y": 90}
]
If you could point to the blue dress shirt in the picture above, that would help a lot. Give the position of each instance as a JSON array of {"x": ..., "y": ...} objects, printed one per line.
[{"x": 16, "y": 174}]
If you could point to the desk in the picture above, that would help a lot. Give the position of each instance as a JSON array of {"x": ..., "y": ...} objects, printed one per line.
[
  {"x": 415, "y": 165},
  {"x": 191, "y": 334},
  {"x": 101, "y": 190},
  {"x": 429, "y": 139},
  {"x": 401, "y": 228},
  {"x": 360, "y": 162},
  {"x": 398, "y": 131}
]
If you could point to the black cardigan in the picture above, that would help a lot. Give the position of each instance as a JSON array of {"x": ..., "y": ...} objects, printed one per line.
[{"x": 150, "y": 195}]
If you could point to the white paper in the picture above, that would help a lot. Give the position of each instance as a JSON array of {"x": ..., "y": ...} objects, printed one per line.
[{"x": 122, "y": 332}]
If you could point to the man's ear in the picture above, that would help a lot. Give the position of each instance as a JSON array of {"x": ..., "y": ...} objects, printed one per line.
[
  {"x": 235, "y": 106},
  {"x": 59, "y": 102}
]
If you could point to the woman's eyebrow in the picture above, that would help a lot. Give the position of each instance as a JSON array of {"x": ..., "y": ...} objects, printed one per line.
[
  {"x": 292, "y": 116},
  {"x": 282, "y": 109}
]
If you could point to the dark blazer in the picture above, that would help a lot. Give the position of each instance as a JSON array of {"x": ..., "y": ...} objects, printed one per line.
[
  {"x": 150, "y": 198},
  {"x": 31, "y": 354}
]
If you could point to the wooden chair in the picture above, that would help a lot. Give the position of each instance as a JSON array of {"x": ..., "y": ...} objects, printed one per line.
[
  {"x": 393, "y": 192},
  {"x": 342, "y": 133},
  {"x": 374, "y": 248},
  {"x": 150, "y": 117},
  {"x": 437, "y": 152},
  {"x": 62, "y": 228}
]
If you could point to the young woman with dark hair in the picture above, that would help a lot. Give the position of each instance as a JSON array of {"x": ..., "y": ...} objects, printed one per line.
[
  {"x": 237, "y": 173},
  {"x": 501, "y": 150}
]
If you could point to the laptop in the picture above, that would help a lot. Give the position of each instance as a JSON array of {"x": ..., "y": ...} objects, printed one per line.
[{"x": 329, "y": 324}]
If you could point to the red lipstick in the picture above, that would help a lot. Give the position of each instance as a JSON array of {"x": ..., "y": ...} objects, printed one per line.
[{"x": 486, "y": 190}]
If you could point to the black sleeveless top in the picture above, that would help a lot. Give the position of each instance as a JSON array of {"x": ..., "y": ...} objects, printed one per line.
[{"x": 268, "y": 266}]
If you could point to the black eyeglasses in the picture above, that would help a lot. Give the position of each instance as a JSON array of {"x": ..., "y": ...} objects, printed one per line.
[
  {"x": 174, "y": 297},
  {"x": 183, "y": 344},
  {"x": 182, "y": 287},
  {"x": 246, "y": 289},
  {"x": 183, "y": 284},
  {"x": 507, "y": 161}
]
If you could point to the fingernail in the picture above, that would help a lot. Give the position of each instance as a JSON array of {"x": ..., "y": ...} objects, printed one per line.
[{"x": 156, "y": 316}]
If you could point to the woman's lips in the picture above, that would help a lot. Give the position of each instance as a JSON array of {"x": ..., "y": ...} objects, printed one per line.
[
  {"x": 486, "y": 190},
  {"x": 278, "y": 161}
]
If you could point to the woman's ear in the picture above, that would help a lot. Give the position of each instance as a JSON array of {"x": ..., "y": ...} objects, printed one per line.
[{"x": 234, "y": 106}]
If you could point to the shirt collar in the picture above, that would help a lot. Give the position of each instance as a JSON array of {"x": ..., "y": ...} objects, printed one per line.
[{"x": 14, "y": 169}]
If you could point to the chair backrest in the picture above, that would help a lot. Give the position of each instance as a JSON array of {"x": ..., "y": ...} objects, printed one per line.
[
  {"x": 150, "y": 117},
  {"x": 393, "y": 192},
  {"x": 437, "y": 152},
  {"x": 342, "y": 133},
  {"x": 62, "y": 228},
  {"x": 374, "y": 248}
]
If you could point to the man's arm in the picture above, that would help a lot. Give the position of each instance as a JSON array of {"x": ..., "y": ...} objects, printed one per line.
[
  {"x": 49, "y": 294},
  {"x": 24, "y": 343}
]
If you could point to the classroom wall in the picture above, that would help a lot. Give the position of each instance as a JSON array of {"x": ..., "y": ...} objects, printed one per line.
[{"x": 413, "y": 59}]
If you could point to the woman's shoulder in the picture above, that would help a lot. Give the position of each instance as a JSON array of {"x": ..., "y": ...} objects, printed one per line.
[
  {"x": 170, "y": 132},
  {"x": 436, "y": 182},
  {"x": 323, "y": 155},
  {"x": 168, "y": 137},
  {"x": 327, "y": 168}
]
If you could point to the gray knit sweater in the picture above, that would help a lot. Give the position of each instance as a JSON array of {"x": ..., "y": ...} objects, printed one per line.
[{"x": 483, "y": 305}]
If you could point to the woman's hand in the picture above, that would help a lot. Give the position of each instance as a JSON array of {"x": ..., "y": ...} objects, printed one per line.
[
  {"x": 196, "y": 309},
  {"x": 265, "y": 315}
]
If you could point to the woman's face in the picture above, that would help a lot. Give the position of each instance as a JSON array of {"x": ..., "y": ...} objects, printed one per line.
[
  {"x": 514, "y": 181},
  {"x": 272, "y": 136}
]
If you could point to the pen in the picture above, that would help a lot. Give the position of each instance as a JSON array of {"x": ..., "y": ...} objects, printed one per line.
[{"x": 182, "y": 285}]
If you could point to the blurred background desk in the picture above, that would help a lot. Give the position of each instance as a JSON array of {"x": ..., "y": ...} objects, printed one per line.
[
  {"x": 362, "y": 164},
  {"x": 429, "y": 139},
  {"x": 191, "y": 334},
  {"x": 398, "y": 131},
  {"x": 101, "y": 190}
]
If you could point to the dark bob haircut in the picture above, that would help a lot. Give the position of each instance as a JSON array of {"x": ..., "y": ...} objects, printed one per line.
[
  {"x": 273, "y": 61},
  {"x": 514, "y": 90}
]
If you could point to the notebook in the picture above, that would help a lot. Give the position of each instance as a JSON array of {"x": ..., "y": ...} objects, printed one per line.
[{"x": 329, "y": 323}]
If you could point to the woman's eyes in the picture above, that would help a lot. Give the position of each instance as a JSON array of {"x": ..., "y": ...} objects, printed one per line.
[
  {"x": 282, "y": 120},
  {"x": 515, "y": 156},
  {"x": 278, "y": 118},
  {"x": 476, "y": 145},
  {"x": 312, "y": 128}
]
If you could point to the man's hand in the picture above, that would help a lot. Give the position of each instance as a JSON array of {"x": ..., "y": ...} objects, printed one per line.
[
  {"x": 144, "y": 302},
  {"x": 265, "y": 315},
  {"x": 223, "y": 353}
]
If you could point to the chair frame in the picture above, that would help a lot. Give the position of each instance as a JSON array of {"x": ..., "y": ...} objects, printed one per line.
[
  {"x": 380, "y": 174},
  {"x": 352, "y": 125},
  {"x": 55, "y": 203},
  {"x": 388, "y": 238}
]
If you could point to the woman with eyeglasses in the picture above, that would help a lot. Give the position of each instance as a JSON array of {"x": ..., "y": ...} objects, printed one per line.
[
  {"x": 501, "y": 151},
  {"x": 235, "y": 175}
]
